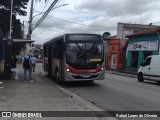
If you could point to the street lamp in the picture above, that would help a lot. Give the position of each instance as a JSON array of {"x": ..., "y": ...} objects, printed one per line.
[{"x": 10, "y": 31}]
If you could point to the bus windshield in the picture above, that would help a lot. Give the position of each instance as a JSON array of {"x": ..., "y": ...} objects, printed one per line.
[{"x": 85, "y": 53}]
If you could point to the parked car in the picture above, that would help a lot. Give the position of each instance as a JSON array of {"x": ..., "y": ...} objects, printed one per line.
[{"x": 150, "y": 69}]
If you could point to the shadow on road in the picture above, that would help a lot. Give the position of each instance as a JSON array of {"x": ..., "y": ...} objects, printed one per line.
[
  {"x": 74, "y": 84},
  {"x": 151, "y": 83}
]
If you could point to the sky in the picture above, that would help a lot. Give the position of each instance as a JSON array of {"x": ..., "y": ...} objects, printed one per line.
[{"x": 90, "y": 16}]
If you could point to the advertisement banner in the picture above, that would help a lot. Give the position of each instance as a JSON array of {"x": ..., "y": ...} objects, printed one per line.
[
  {"x": 113, "y": 62},
  {"x": 143, "y": 46}
]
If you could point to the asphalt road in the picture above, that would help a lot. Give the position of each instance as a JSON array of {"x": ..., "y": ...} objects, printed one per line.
[{"x": 119, "y": 93}]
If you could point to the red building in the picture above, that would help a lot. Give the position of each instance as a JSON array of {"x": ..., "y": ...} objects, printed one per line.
[{"x": 116, "y": 53}]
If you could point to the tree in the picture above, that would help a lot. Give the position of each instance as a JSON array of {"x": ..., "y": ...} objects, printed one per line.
[
  {"x": 105, "y": 35},
  {"x": 19, "y": 7}
]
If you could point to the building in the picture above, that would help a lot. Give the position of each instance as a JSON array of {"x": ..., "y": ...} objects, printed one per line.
[
  {"x": 24, "y": 44},
  {"x": 116, "y": 53},
  {"x": 124, "y": 29},
  {"x": 141, "y": 45},
  {"x": 116, "y": 45}
]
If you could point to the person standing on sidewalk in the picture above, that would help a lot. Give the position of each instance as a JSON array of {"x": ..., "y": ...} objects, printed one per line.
[
  {"x": 13, "y": 67},
  {"x": 34, "y": 60},
  {"x": 27, "y": 66}
]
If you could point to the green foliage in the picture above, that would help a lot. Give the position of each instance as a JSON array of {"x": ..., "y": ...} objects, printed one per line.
[{"x": 19, "y": 7}]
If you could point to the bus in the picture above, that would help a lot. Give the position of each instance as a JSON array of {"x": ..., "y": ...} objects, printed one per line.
[{"x": 75, "y": 57}]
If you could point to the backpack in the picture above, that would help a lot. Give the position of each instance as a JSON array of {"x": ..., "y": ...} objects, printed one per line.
[{"x": 26, "y": 63}]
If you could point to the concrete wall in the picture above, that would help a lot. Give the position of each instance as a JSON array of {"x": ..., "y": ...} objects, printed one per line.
[
  {"x": 140, "y": 53},
  {"x": 124, "y": 29}
]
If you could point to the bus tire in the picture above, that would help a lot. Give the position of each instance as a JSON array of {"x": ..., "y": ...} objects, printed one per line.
[{"x": 140, "y": 77}]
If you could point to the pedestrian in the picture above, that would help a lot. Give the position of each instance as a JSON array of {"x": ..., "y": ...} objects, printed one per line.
[
  {"x": 27, "y": 66},
  {"x": 34, "y": 60},
  {"x": 13, "y": 67}
]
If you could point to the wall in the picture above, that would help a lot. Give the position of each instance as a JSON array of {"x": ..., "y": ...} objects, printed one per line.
[
  {"x": 141, "y": 38},
  {"x": 124, "y": 29},
  {"x": 116, "y": 52}
]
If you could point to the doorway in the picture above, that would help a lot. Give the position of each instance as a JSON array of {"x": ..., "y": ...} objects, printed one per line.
[{"x": 134, "y": 63}]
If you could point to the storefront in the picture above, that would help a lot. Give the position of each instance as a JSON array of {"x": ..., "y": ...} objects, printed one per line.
[{"x": 141, "y": 45}]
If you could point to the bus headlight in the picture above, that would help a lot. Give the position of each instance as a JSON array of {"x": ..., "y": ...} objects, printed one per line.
[
  {"x": 102, "y": 68},
  {"x": 67, "y": 69}
]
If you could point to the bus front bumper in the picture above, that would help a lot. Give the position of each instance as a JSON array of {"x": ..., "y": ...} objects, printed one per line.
[{"x": 84, "y": 77}]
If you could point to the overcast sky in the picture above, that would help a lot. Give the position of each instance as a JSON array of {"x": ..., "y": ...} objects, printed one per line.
[{"x": 91, "y": 16}]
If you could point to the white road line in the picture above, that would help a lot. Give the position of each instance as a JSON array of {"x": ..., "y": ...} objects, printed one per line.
[{"x": 1, "y": 87}]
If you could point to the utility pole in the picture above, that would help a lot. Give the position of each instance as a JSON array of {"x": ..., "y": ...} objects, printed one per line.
[
  {"x": 30, "y": 21},
  {"x": 23, "y": 28},
  {"x": 10, "y": 31}
]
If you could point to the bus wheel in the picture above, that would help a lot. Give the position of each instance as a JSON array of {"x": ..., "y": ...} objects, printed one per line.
[{"x": 140, "y": 77}]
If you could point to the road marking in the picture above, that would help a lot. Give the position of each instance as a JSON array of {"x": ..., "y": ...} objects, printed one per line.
[
  {"x": 1, "y": 83},
  {"x": 1, "y": 87}
]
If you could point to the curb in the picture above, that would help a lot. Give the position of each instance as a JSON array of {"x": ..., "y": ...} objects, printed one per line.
[
  {"x": 128, "y": 75},
  {"x": 122, "y": 73}
]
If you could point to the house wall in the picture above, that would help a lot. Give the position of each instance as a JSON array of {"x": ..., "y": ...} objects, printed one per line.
[
  {"x": 141, "y": 54},
  {"x": 124, "y": 29},
  {"x": 116, "y": 54},
  {"x": 25, "y": 49}
]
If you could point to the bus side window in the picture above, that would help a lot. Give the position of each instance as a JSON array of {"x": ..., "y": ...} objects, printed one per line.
[
  {"x": 45, "y": 51},
  {"x": 55, "y": 52},
  {"x": 61, "y": 49}
]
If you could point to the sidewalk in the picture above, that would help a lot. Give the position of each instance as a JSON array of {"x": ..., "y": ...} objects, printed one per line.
[{"x": 43, "y": 95}]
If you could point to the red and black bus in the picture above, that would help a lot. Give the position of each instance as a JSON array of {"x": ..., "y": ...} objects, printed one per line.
[{"x": 75, "y": 57}]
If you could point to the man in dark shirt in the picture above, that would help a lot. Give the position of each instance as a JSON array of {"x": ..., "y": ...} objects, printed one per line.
[{"x": 13, "y": 67}]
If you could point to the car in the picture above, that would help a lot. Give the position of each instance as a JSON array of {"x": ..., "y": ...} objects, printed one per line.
[{"x": 150, "y": 69}]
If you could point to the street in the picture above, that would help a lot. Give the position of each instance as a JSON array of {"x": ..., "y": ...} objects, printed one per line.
[
  {"x": 117, "y": 93},
  {"x": 42, "y": 95},
  {"x": 120, "y": 93}
]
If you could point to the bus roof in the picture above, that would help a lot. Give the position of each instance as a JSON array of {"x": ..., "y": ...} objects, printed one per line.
[
  {"x": 54, "y": 39},
  {"x": 62, "y": 36}
]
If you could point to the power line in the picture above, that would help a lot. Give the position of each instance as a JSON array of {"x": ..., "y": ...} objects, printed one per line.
[
  {"x": 80, "y": 23},
  {"x": 45, "y": 14},
  {"x": 45, "y": 5}
]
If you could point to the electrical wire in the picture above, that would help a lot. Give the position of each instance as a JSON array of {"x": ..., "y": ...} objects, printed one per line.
[
  {"x": 79, "y": 23},
  {"x": 45, "y": 14}
]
